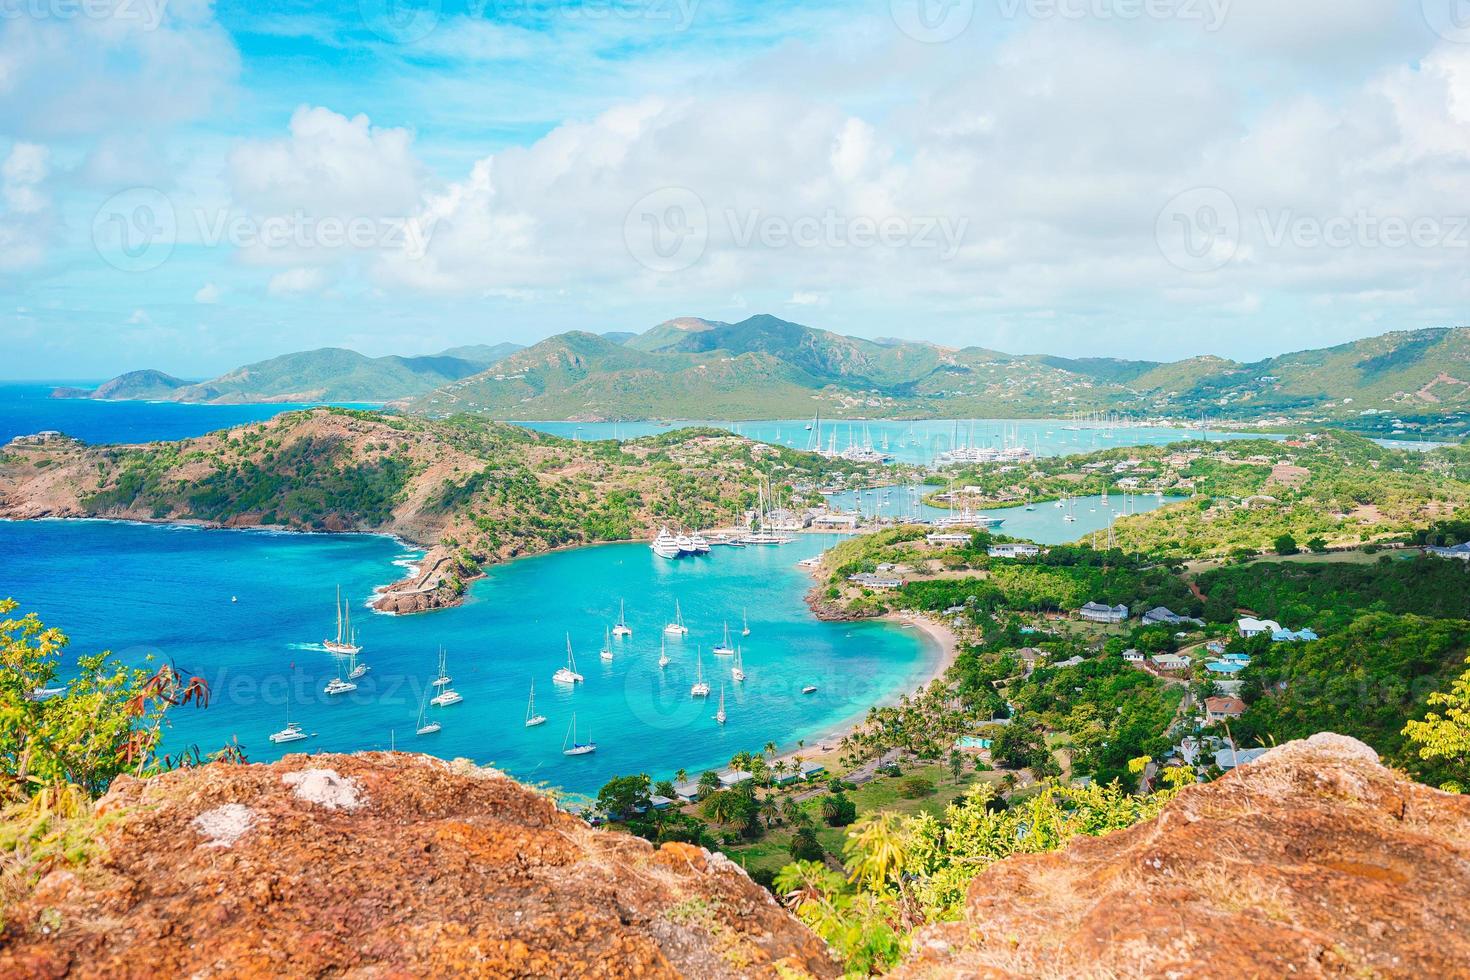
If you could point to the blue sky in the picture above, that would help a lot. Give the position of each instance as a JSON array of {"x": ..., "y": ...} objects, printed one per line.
[{"x": 191, "y": 185}]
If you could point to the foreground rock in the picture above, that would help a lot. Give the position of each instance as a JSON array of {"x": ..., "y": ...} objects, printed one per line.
[
  {"x": 387, "y": 865},
  {"x": 1313, "y": 861}
]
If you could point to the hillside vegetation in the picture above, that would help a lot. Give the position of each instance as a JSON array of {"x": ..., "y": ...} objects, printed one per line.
[{"x": 471, "y": 490}]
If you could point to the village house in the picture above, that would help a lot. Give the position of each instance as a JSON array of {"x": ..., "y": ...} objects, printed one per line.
[
  {"x": 1164, "y": 616},
  {"x": 870, "y": 580},
  {"x": 1018, "y": 550},
  {"x": 835, "y": 521},
  {"x": 1171, "y": 661},
  {"x": 1228, "y": 758},
  {"x": 1249, "y": 626},
  {"x": 1223, "y": 709},
  {"x": 1459, "y": 551},
  {"x": 1134, "y": 656},
  {"x": 1096, "y": 612},
  {"x": 948, "y": 539}
]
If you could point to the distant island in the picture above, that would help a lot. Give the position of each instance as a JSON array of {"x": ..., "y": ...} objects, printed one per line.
[{"x": 1407, "y": 382}]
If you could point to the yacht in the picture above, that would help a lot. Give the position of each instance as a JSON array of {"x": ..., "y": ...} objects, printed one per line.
[
  {"x": 568, "y": 674},
  {"x": 426, "y": 727},
  {"x": 725, "y": 649},
  {"x": 737, "y": 672},
  {"x": 684, "y": 543},
  {"x": 744, "y": 624},
  {"x": 700, "y": 688},
  {"x": 570, "y": 745},
  {"x": 677, "y": 627},
  {"x": 346, "y": 641},
  {"x": 532, "y": 718},
  {"x": 665, "y": 545},
  {"x": 622, "y": 628},
  {"x": 338, "y": 686},
  {"x": 699, "y": 543},
  {"x": 663, "y": 654},
  {"x": 720, "y": 715},
  {"x": 291, "y": 733},
  {"x": 356, "y": 669},
  {"x": 447, "y": 695},
  {"x": 606, "y": 653},
  {"x": 809, "y": 689}
]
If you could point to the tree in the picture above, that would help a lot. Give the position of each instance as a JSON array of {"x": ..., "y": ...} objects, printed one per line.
[
  {"x": 956, "y": 763},
  {"x": 838, "y": 810},
  {"x": 1286, "y": 545},
  {"x": 665, "y": 789},
  {"x": 108, "y": 721},
  {"x": 804, "y": 845},
  {"x": 681, "y": 776},
  {"x": 725, "y": 807},
  {"x": 709, "y": 782},
  {"x": 624, "y": 795},
  {"x": 1445, "y": 737},
  {"x": 1317, "y": 545}
]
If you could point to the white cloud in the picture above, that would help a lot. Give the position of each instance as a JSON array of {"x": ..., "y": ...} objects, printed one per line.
[
  {"x": 296, "y": 281},
  {"x": 208, "y": 294},
  {"x": 27, "y": 224}
]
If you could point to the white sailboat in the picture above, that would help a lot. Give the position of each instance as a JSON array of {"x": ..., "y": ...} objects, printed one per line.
[
  {"x": 720, "y": 715},
  {"x": 677, "y": 627},
  {"x": 725, "y": 649},
  {"x": 426, "y": 727},
  {"x": 570, "y": 745},
  {"x": 606, "y": 652},
  {"x": 447, "y": 695},
  {"x": 744, "y": 624},
  {"x": 292, "y": 732},
  {"x": 532, "y": 718},
  {"x": 737, "y": 672},
  {"x": 355, "y": 669},
  {"x": 568, "y": 674},
  {"x": 622, "y": 628},
  {"x": 345, "y": 641},
  {"x": 700, "y": 688},
  {"x": 663, "y": 654}
]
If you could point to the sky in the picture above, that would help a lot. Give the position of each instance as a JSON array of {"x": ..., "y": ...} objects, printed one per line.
[{"x": 192, "y": 185}]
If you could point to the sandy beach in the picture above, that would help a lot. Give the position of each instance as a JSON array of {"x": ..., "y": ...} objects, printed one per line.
[{"x": 940, "y": 638}]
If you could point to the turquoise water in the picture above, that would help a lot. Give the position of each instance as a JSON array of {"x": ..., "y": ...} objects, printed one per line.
[
  {"x": 911, "y": 441},
  {"x": 1046, "y": 524},
  {"x": 27, "y": 407},
  {"x": 137, "y": 589}
]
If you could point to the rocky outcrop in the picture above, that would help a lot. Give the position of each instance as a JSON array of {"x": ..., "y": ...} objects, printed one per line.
[
  {"x": 1312, "y": 861},
  {"x": 387, "y": 865}
]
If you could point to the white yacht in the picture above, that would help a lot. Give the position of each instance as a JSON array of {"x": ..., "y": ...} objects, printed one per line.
[
  {"x": 532, "y": 718},
  {"x": 744, "y": 624},
  {"x": 724, "y": 649},
  {"x": 426, "y": 727},
  {"x": 622, "y": 628},
  {"x": 346, "y": 641},
  {"x": 338, "y": 686},
  {"x": 809, "y": 689},
  {"x": 677, "y": 627},
  {"x": 570, "y": 745},
  {"x": 291, "y": 733},
  {"x": 606, "y": 652},
  {"x": 699, "y": 543},
  {"x": 720, "y": 715},
  {"x": 737, "y": 672},
  {"x": 663, "y": 654},
  {"x": 700, "y": 688},
  {"x": 568, "y": 674},
  {"x": 356, "y": 670},
  {"x": 684, "y": 543},
  {"x": 447, "y": 695},
  {"x": 665, "y": 545}
]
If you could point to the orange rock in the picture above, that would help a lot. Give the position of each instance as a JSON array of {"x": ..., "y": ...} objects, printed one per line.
[{"x": 443, "y": 871}]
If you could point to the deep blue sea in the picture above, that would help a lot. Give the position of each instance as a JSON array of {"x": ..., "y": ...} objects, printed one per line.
[{"x": 139, "y": 589}]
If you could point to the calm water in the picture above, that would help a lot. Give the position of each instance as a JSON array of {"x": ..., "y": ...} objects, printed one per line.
[
  {"x": 135, "y": 589},
  {"x": 27, "y": 407},
  {"x": 910, "y": 441},
  {"x": 1047, "y": 524}
]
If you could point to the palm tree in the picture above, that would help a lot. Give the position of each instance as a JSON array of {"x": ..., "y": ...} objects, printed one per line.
[
  {"x": 709, "y": 781},
  {"x": 681, "y": 775},
  {"x": 770, "y": 749},
  {"x": 956, "y": 763},
  {"x": 722, "y": 807}
]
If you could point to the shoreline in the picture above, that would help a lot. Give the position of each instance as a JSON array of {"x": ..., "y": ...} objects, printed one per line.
[{"x": 938, "y": 638}]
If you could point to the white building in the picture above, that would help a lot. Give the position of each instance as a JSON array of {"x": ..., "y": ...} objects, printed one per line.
[
  {"x": 1096, "y": 612},
  {"x": 1014, "y": 551},
  {"x": 1250, "y": 626}
]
